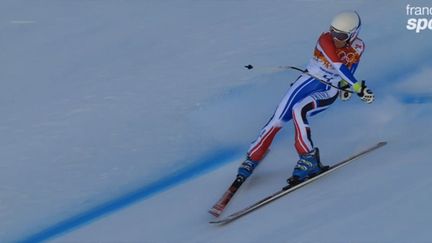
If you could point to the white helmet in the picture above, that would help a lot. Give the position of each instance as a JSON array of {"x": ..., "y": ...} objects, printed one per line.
[{"x": 345, "y": 26}]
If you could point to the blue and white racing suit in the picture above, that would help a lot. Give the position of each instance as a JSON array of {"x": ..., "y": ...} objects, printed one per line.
[{"x": 308, "y": 96}]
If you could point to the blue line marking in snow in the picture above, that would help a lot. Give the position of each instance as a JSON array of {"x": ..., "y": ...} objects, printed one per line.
[
  {"x": 204, "y": 165},
  {"x": 417, "y": 99}
]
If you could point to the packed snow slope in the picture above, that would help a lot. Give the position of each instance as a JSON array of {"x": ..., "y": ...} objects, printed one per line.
[{"x": 124, "y": 121}]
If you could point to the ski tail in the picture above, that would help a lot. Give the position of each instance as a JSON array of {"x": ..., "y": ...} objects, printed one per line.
[{"x": 220, "y": 205}]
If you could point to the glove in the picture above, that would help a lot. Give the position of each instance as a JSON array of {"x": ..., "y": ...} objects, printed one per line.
[
  {"x": 344, "y": 93},
  {"x": 364, "y": 92}
]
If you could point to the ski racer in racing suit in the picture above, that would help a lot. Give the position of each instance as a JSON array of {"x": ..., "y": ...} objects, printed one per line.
[{"x": 335, "y": 60}]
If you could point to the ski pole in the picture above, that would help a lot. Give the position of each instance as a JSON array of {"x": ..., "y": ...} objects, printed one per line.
[{"x": 305, "y": 72}]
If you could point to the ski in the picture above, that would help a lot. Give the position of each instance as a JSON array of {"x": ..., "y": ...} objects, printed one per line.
[
  {"x": 220, "y": 205},
  {"x": 290, "y": 188}
]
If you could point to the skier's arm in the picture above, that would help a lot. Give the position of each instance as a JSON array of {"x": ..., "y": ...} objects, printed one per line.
[{"x": 327, "y": 47}]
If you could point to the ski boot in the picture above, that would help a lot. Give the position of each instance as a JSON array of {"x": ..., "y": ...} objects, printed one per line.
[
  {"x": 246, "y": 168},
  {"x": 308, "y": 166}
]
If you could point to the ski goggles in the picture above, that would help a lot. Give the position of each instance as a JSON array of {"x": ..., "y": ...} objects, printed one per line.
[{"x": 340, "y": 35}]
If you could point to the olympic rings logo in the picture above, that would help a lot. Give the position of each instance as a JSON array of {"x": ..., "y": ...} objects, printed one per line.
[{"x": 347, "y": 58}]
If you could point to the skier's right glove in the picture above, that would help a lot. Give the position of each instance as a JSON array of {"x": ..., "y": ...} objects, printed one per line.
[{"x": 364, "y": 92}]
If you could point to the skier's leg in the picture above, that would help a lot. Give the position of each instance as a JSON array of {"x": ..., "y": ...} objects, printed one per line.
[
  {"x": 282, "y": 114},
  {"x": 260, "y": 146},
  {"x": 265, "y": 138},
  {"x": 309, "y": 106},
  {"x": 309, "y": 163},
  {"x": 303, "y": 141}
]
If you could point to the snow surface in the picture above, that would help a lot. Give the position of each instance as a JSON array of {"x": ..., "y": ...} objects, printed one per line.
[{"x": 124, "y": 121}]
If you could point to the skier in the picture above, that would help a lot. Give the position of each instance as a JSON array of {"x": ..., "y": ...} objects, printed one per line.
[{"x": 335, "y": 59}]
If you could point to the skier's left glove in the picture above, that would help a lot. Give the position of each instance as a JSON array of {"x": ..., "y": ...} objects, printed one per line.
[
  {"x": 364, "y": 92},
  {"x": 344, "y": 92}
]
